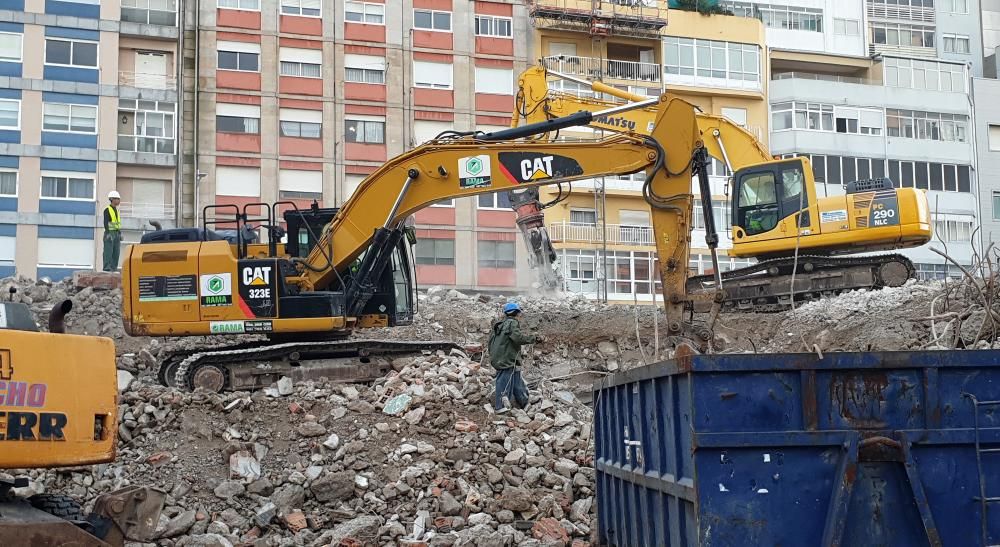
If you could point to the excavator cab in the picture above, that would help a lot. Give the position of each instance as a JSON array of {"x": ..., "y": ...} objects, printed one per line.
[{"x": 767, "y": 199}]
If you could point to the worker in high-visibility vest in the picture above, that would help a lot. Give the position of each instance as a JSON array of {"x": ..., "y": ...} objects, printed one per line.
[{"x": 112, "y": 232}]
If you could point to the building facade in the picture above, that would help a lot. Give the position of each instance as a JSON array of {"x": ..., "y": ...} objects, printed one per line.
[
  {"x": 88, "y": 101},
  {"x": 602, "y": 229},
  {"x": 881, "y": 89},
  {"x": 300, "y": 99}
]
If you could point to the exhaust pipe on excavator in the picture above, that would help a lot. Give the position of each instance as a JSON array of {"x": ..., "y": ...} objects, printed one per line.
[{"x": 57, "y": 315}]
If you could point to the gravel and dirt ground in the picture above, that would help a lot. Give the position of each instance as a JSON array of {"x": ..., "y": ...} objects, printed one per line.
[{"x": 419, "y": 457}]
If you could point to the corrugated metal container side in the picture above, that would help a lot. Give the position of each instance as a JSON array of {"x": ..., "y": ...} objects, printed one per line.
[{"x": 874, "y": 449}]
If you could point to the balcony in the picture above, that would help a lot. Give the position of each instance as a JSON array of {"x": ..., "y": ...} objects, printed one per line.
[
  {"x": 615, "y": 234},
  {"x": 823, "y": 78},
  {"x": 149, "y": 145},
  {"x": 146, "y": 16},
  {"x": 146, "y": 211},
  {"x": 147, "y": 81},
  {"x": 634, "y": 18},
  {"x": 602, "y": 69}
]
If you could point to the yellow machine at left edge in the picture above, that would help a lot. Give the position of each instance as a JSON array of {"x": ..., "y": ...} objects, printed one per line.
[{"x": 59, "y": 408}]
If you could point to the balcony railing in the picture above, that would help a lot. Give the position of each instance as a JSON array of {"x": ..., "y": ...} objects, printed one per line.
[
  {"x": 823, "y": 78},
  {"x": 146, "y": 80},
  {"x": 594, "y": 68},
  {"x": 139, "y": 143},
  {"x": 616, "y": 234},
  {"x": 146, "y": 211},
  {"x": 149, "y": 16}
]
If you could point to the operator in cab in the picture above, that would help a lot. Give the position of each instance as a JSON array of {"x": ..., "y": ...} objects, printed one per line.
[{"x": 504, "y": 346}]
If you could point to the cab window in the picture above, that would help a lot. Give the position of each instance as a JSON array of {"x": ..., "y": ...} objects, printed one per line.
[{"x": 757, "y": 210}]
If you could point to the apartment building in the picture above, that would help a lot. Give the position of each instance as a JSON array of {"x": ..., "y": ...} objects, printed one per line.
[
  {"x": 88, "y": 99},
  {"x": 299, "y": 100},
  {"x": 881, "y": 89},
  {"x": 602, "y": 229}
]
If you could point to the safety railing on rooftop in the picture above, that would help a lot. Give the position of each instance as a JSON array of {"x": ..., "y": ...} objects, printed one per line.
[{"x": 616, "y": 234}]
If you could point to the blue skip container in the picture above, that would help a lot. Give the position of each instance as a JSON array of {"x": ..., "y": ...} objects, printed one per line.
[{"x": 854, "y": 449}]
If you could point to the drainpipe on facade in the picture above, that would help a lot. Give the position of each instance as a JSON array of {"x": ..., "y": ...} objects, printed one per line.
[
  {"x": 196, "y": 114},
  {"x": 973, "y": 122},
  {"x": 179, "y": 118}
]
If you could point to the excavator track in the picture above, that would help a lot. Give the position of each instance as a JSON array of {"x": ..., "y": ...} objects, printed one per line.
[
  {"x": 250, "y": 366},
  {"x": 765, "y": 287}
]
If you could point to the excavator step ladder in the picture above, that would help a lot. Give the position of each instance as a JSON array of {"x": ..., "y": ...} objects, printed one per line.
[{"x": 983, "y": 499}]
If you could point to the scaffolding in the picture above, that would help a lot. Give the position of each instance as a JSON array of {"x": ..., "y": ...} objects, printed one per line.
[{"x": 601, "y": 18}]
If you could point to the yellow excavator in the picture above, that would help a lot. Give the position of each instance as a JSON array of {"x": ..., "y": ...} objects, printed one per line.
[
  {"x": 766, "y": 226},
  {"x": 348, "y": 268},
  {"x": 59, "y": 408}
]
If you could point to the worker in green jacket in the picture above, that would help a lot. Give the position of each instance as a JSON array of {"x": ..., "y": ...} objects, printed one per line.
[{"x": 505, "y": 356}]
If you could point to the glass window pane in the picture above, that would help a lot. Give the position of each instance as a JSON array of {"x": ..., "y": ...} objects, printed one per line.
[
  {"x": 442, "y": 20},
  {"x": 84, "y": 54},
  {"x": 57, "y": 52},
  {"x": 422, "y": 19},
  {"x": 228, "y": 60}
]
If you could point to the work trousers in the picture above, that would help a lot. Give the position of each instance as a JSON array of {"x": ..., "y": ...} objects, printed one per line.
[
  {"x": 510, "y": 384},
  {"x": 112, "y": 249}
]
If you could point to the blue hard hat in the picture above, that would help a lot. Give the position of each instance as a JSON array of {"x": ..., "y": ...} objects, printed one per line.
[{"x": 511, "y": 307}]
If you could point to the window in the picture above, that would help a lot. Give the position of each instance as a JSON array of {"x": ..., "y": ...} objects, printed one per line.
[
  {"x": 305, "y": 124},
  {"x": 496, "y": 200},
  {"x": 78, "y": 186},
  {"x": 241, "y": 56},
  {"x": 586, "y": 217},
  {"x": 10, "y": 47},
  {"x": 496, "y": 254},
  {"x": 70, "y": 53},
  {"x": 305, "y": 8},
  {"x": 915, "y": 124},
  {"x": 432, "y": 75},
  {"x": 892, "y": 34},
  {"x": 364, "y": 69},
  {"x": 65, "y": 253},
  {"x": 736, "y": 115},
  {"x": 778, "y": 16},
  {"x": 955, "y": 43},
  {"x": 996, "y": 205},
  {"x": 436, "y": 252},
  {"x": 302, "y": 63},
  {"x": 491, "y": 25},
  {"x": 73, "y": 118},
  {"x": 249, "y": 5},
  {"x": 300, "y": 184},
  {"x": 499, "y": 81},
  {"x": 150, "y": 12},
  {"x": 10, "y": 114},
  {"x": 994, "y": 137},
  {"x": 579, "y": 270},
  {"x": 8, "y": 183},
  {"x": 152, "y": 128},
  {"x": 712, "y": 59},
  {"x": 954, "y": 6},
  {"x": 237, "y": 118},
  {"x": 800, "y": 115},
  {"x": 432, "y": 20},
  {"x": 846, "y": 27},
  {"x": 364, "y": 12},
  {"x": 930, "y": 75},
  {"x": 720, "y": 214},
  {"x": 953, "y": 230},
  {"x": 368, "y": 131},
  {"x": 237, "y": 181}
]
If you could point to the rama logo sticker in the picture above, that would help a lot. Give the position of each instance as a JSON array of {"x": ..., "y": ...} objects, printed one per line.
[
  {"x": 216, "y": 289},
  {"x": 474, "y": 172}
]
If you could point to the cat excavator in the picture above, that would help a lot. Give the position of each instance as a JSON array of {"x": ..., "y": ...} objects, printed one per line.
[
  {"x": 823, "y": 255},
  {"x": 347, "y": 268}
]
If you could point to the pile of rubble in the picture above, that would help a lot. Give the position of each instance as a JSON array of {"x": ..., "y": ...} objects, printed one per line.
[{"x": 418, "y": 458}]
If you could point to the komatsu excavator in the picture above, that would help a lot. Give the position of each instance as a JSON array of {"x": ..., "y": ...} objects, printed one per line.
[
  {"x": 871, "y": 216},
  {"x": 348, "y": 268}
]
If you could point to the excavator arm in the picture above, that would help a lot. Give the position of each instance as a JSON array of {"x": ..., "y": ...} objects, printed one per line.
[
  {"x": 370, "y": 223},
  {"x": 723, "y": 139}
]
